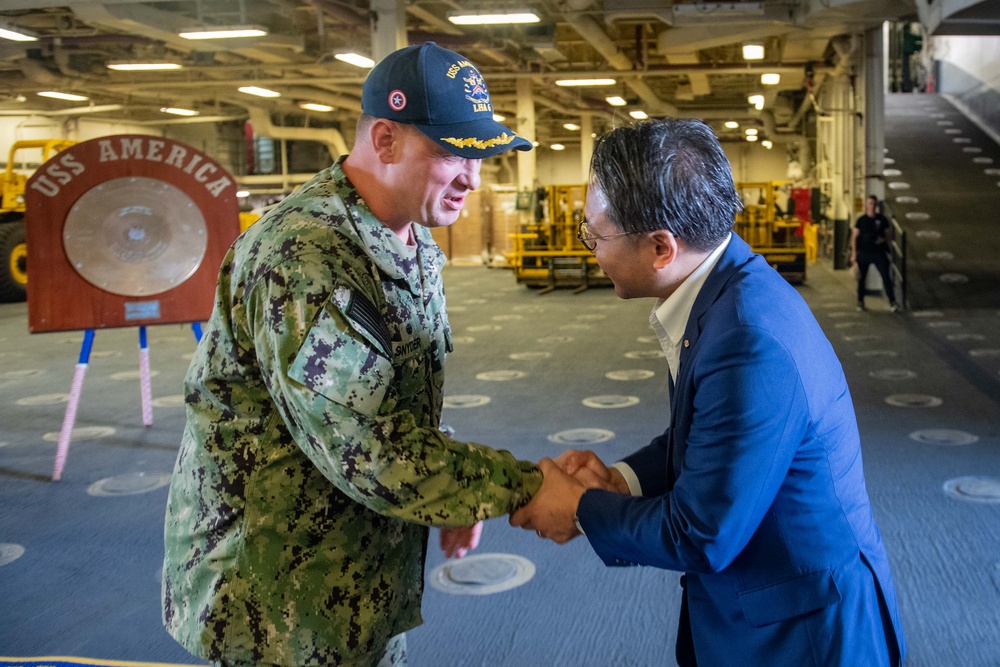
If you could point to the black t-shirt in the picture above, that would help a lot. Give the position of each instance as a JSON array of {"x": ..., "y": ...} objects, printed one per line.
[{"x": 871, "y": 230}]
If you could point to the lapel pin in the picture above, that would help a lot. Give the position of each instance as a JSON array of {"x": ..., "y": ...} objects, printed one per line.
[{"x": 687, "y": 343}]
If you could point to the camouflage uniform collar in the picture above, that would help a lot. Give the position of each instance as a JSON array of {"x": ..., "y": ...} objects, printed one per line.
[{"x": 381, "y": 243}]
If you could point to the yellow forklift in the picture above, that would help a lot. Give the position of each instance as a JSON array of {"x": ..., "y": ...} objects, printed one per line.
[
  {"x": 13, "y": 250},
  {"x": 546, "y": 252},
  {"x": 771, "y": 231}
]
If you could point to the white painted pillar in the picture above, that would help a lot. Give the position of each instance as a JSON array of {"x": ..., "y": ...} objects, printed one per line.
[
  {"x": 388, "y": 27},
  {"x": 526, "y": 162},
  {"x": 586, "y": 145},
  {"x": 874, "y": 113}
]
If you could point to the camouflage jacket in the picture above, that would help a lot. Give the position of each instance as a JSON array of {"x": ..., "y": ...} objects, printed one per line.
[{"x": 311, "y": 463}]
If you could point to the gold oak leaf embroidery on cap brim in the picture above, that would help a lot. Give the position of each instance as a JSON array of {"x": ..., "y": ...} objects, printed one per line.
[{"x": 502, "y": 140}]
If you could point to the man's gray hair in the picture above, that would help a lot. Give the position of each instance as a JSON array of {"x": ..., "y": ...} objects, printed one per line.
[{"x": 667, "y": 174}]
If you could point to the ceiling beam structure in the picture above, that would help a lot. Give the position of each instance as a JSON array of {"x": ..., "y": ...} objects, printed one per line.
[{"x": 679, "y": 57}]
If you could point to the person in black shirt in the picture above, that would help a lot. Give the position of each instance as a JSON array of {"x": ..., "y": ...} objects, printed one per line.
[{"x": 870, "y": 245}]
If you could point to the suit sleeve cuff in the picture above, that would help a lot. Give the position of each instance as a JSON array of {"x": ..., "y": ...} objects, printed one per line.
[{"x": 630, "y": 478}]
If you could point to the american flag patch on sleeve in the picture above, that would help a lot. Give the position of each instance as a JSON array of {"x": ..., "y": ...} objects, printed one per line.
[{"x": 365, "y": 314}]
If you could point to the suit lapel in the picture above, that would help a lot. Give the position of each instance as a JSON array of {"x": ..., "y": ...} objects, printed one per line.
[{"x": 736, "y": 255}]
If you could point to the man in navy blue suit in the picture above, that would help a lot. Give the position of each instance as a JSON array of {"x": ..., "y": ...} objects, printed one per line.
[{"x": 755, "y": 490}]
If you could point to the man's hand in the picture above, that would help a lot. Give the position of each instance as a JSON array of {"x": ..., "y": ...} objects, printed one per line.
[
  {"x": 456, "y": 542},
  {"x": 551, "y": 512},
  {"x": 590, "y": 471}
]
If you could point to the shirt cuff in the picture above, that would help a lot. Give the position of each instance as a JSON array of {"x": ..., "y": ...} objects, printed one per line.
[{"x": 633, "y": 482}]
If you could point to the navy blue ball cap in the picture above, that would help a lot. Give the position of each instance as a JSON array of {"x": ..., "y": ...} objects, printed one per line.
[{"x": 443, "y": 95}]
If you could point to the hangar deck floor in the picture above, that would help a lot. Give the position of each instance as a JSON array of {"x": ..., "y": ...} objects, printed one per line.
[
  {"x": 924, "y": 382},
  {"x": 87, "y": 583}
]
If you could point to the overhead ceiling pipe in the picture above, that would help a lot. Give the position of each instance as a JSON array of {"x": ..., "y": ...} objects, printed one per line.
[
  {"x": 339, "y": 13},
  {"x": 330, "y": 137},
  {"x": 39, "y": 74},
  {"x": 846, "y": 49},
  {"x": 188, "y": 120},
  {"x": 654, "y": 71},
  {"x": 502, "y": 101},
  {"x": 75, "y": 111},
  {"x": 440, "y": 25},
  {"x": 807, "y": 103},
  {"x": 591, "y": 31},
  {"x": 146, "y": 20},
  {"x": 35, "y": 71},
  {"x": 61, "y": 57},
  {"x": 765, "y": 118},
  {"x": 773, "y": 131},
  {"x": 307, "y": 94},
  {"x": 356, "y": 81}
]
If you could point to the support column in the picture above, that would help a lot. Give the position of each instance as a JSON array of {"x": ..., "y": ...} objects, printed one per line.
[
  {"x": 835, "y": 141},
  {"x": 874, "y": 114},
  {"x": 388, "y": 27},
  {"x": 586, "y": 145},
  {"x": 285, "y": 185},
  {"x": 526, "y": 162}
]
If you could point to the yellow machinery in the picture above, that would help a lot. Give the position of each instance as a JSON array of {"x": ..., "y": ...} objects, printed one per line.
[
  {"x": 13, "y": 251},
  {"x": 780, "y": 239},
  {"x": 547, "y": 253},
  {"x": 546, "y": 250},
  {"x": 247, "y": 218}
]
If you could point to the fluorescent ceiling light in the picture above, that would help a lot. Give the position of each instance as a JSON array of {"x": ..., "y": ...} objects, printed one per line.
[
  {"x": 70, "y": 97},
  {"x": 770, "y": 78},
  {"x": 535, "y": 144},
  {"x": 750, "y": 130},
  {"x": 638, "y": 115},
  {"x": 259, "y": 92},
  {"x": 242, "y": 193},
  {"x": 177, "y": 111},
  {"x": 142, "y": 67},
  {"x": 757, "y": 101},
  {"x": 16, "y": 36},
  {"x": 557, "y": 147},
  {"x": 767, "y": 143},
  {"x": 585, "y": 82},
  {"x": 223, "y": 32},
  {"x": 732, "y": 124},
  {"x": 494, "y": 18},
  {"x": 355, "y": 59},
  {"x": 572, "y": 127},
  {"x": 753, "y": 51},
  {"x": 616, "y": 101},
  {"x": 313, "y": 106},
  {"x": 498, "y": 118},
  {"x": 751, "y": 137}
]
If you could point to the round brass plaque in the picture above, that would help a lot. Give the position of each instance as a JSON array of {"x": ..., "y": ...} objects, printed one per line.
[{"x": 135, "y": 236}]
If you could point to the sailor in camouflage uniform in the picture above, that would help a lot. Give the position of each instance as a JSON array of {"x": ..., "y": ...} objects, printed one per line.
[{"x": 312, "y": 463}]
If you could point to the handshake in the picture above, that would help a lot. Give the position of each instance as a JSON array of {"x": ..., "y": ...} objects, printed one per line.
[{"x": 551, "y": 513}]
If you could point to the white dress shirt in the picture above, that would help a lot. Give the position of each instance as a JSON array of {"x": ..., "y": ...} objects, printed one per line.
[{"x": 668, "y": 321}]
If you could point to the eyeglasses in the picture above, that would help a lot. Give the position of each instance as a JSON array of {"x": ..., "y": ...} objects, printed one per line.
[{"x": 589, "y": 240}]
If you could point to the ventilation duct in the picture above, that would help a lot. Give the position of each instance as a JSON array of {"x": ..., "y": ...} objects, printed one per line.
[{"x": 331, "y": 138}]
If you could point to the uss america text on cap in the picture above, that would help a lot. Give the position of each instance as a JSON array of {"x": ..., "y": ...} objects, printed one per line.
[{"x": 443, "y": 95}]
